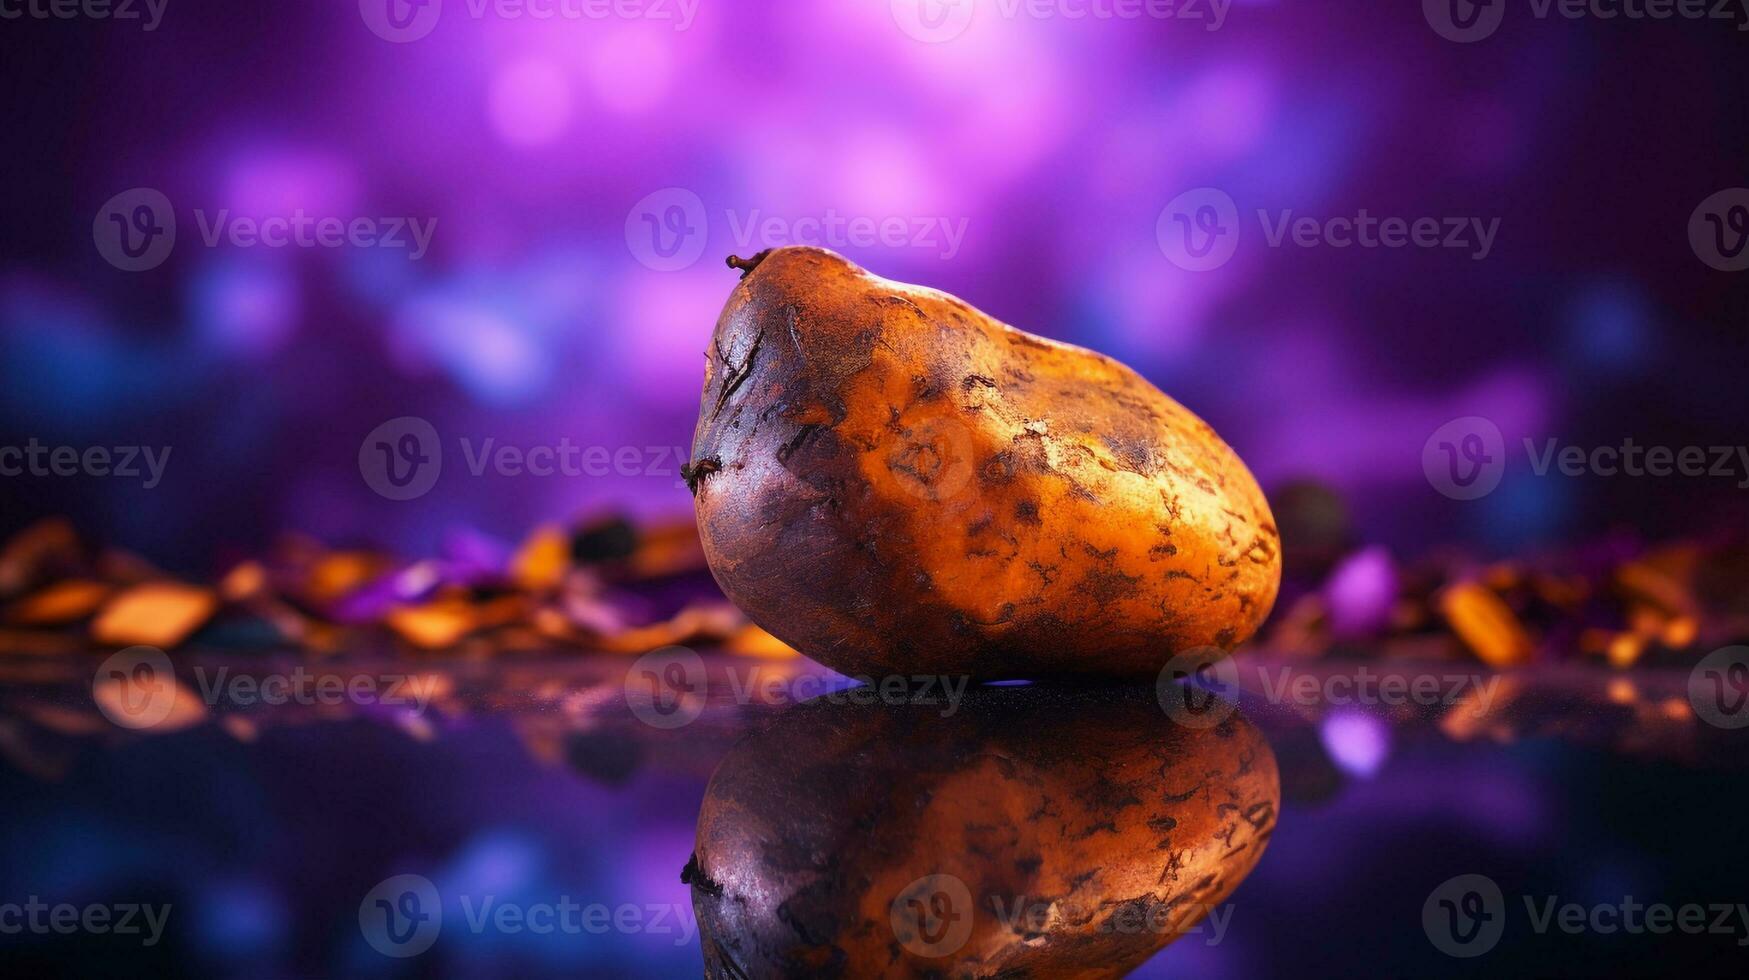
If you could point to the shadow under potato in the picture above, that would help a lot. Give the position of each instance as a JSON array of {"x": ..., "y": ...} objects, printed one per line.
[{"x": 1033, "y": 832}]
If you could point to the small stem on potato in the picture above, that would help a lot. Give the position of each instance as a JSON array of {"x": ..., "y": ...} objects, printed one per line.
[{"x": 746, "y": 265}]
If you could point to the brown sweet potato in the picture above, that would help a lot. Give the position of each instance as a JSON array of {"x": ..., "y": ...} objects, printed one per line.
[
  {"x": 1032, "y": 832},
  {"x": 890, "y": 481}
]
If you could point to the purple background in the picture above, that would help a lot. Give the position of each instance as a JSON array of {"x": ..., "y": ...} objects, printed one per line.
[{"x": 1057, "y": 141}]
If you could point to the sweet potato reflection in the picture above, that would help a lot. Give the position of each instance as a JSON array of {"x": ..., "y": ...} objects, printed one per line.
[{"x": 1030, "y": 833}]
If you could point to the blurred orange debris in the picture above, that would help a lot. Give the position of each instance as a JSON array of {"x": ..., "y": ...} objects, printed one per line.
[
  {"x": 441, "y": 623},
  {"x": 1625, "y": 648},
  {"x": 35, "y": 550},
  {"x": 1680, "y": 632},
  {"x": 542, "y": 561},
  {"x": 63, "y": 602},
  {"x": 160, "y": 614},
  {"x": 246, "y": 581},
  {"x": 340, "y": 572},
  {"x": 1486, "y": 625},
  {"x": 667, "y": 550}
]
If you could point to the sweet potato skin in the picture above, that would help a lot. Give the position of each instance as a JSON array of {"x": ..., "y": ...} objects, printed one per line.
[
  {"x": 813, "y": 826},
  {"x": 891, "y": 481}
]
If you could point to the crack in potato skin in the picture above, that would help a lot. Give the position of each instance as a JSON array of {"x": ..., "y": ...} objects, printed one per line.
[{"x": 899, "y": 482}]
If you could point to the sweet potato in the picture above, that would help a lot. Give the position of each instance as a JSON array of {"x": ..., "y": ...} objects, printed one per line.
[
  {"x": 891, "y": 481},
  {"x": 1032, "y": 832}
]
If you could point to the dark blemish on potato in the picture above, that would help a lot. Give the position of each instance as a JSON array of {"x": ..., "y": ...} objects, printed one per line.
[
  {"x": 695, "y": 473},
  {"x": 1261, "y": 551},
  {"x": 1133, "y": 453},
  {"x": 737, "y": 376},
  {"x": 796, "y": 442},
  {"x": 971, "y": 381},
  {"x": 997, "y": 471},
  {"x": 1106, "y": 556},
  {"x": 695, "y": 876},
  {"x": 1108, "y": 826},
  {"x": 927, "y": 389},
  {"x": 1105, "y": 585},
  {"x": 921, "y": 462},
  {"x": 1026, "y": 512}
]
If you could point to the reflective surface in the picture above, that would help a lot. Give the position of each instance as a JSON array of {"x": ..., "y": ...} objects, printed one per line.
[{"x": 552, "y": 823}]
